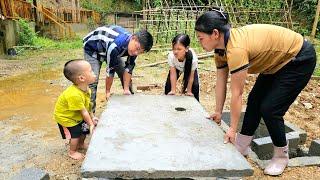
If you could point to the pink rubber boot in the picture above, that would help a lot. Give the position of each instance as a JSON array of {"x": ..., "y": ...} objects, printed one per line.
[
  {"x": 278, "y": 162},
  {"x": 242, "y": 143}
]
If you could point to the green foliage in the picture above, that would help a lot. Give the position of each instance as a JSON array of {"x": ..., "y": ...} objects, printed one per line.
[
  {"x": 91, "y": 24},
  {"x": 317, "y": 70},
  {"x": 46, "y": 43},
  {"x": 107, "y": 6},
  {"x": 25, "y": 33},
  {"x": 157, "y": 3},
  {"x": 303, "y": 12}
]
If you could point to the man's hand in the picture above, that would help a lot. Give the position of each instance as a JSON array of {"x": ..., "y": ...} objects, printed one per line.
[
  {"x": 126, "y": 92},
  {"x": 172, "y": 93},
  {"x": 230, "y": 136},
  {"x": 216, "y": 117}
]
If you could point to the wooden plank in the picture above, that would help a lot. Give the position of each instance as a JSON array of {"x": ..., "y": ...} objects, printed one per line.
[
  {"x": 200, "y": 56},
  {"x": 146, "y": 87},
  {"x": 4, "y": 11},
  {"x": 12, "y": 9}
]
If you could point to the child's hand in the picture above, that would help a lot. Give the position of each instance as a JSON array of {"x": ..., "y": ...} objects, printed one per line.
[
  {"x": 91, "y": 128},
  {"x": 172, "y": 93},
  {"x": 95, "y": 120},
  {"x": 189, "y": 94}
]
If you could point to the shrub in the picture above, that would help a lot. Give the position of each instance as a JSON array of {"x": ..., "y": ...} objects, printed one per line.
[{"x": 25, "y": 33}]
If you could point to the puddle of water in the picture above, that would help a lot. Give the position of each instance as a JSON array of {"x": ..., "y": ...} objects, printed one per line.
[{"x": 32, "y": 96}]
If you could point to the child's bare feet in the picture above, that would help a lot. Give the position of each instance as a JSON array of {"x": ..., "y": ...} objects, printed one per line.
[
  {"x": 84, "y": 146},
  {"x": 76, "y": 155}
]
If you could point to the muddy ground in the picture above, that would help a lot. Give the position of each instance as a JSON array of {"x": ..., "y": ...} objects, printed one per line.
[{"x": 31, "y": 83}]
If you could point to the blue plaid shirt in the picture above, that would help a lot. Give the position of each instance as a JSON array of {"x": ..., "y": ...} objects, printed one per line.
[{"x": 108, "y": 43}]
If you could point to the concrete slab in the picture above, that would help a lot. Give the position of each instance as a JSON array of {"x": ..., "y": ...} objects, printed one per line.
[
  {"x": 315, "y": 148},
  {"x": 262, "y": 144},
  {"x": 304, "y": 161},
  {"x": 263, "y": 147},
  {"x": 31, "y": 174},
  {"x": 150, "y": 136}
]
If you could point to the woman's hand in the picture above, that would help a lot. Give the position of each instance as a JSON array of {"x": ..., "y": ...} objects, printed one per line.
[
  {"x": 172, "y": 93},
  {"x": 216, "y": 117},
  {"x": 230, "y": 136}
]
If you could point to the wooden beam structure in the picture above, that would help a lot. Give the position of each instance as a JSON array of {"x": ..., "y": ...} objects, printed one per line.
[
  {"x": 24, "y": 9},
  {"x": 61, "y": 17},
  {"x": 169, "y": 18}
]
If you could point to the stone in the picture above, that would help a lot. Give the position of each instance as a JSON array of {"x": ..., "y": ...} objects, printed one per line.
[
  {"x": 154, "y": 136},
  {"x": 263, "y": 147},
  {"x": 31, "y": 174},
  {"x": 314, "y": 149},
  {"x": 304, "y": 161},
  {"x": 262, "y": 143},
  {"x": 308, "y": 105},
  {"x": 302, "y": 151},
  {"x": 293, "y": 128}
]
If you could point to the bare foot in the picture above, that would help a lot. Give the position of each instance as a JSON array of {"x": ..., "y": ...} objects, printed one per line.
[
  {"x": 84, "y": 146},
  {"x": 108, "y": 94},
  {"x": 76, "y": 155}
]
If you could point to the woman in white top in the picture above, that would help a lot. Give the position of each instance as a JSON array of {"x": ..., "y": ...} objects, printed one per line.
[{"x": 183, "y": 59}]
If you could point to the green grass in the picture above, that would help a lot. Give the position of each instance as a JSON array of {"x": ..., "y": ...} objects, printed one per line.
[
  {"x": 49, "y": 61},
  {"x": 317, "y": 70},
  {"x": 46, "y": 43},
  {"x": 316, "y": 43}
]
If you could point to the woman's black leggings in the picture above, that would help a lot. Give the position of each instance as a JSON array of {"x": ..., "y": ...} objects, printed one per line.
[
  {"x": 272, "y": 95},
  {"x": 195, "y": 85}
]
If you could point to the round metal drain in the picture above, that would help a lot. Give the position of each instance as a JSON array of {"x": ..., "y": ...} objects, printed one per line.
[{"x": 180, "y": 109}]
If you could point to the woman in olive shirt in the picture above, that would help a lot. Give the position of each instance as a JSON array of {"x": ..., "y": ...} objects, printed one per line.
[{"x": 284, "y": 62}]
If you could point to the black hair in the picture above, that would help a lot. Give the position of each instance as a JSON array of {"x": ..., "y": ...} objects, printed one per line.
[
  {"x": 145, "y": 39},
  {"x": 70, "y": 71},
  {"x": 185, "y": 41},
  {"x": 216, "y": 18}
]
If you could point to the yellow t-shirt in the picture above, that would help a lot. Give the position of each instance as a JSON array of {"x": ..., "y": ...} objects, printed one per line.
[
  {"x": 260, "y": 48},
  {"x": 68, "y": 106}
]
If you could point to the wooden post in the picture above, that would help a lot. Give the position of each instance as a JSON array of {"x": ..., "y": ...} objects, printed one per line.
[
  {"x": 144, "y": 5},
  {"x": 315, "y": 22},
  {"x": 4, "y": 12},
  {"x": 35, "y": 11},
  {"x": 12, "y": 9}
]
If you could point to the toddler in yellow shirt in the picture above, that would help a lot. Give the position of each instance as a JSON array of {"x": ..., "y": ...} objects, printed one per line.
[{"x": 73, "y": 110}]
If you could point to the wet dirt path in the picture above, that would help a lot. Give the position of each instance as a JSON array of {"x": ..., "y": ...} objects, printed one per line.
[
  {"x": 29, "y": 137},
  {"x": 30, "y": 95}
]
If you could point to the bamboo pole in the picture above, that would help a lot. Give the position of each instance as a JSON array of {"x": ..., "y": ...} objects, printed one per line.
[
  {"x": 315, "y": 22},
  {"x": 200, "y": 56}
]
